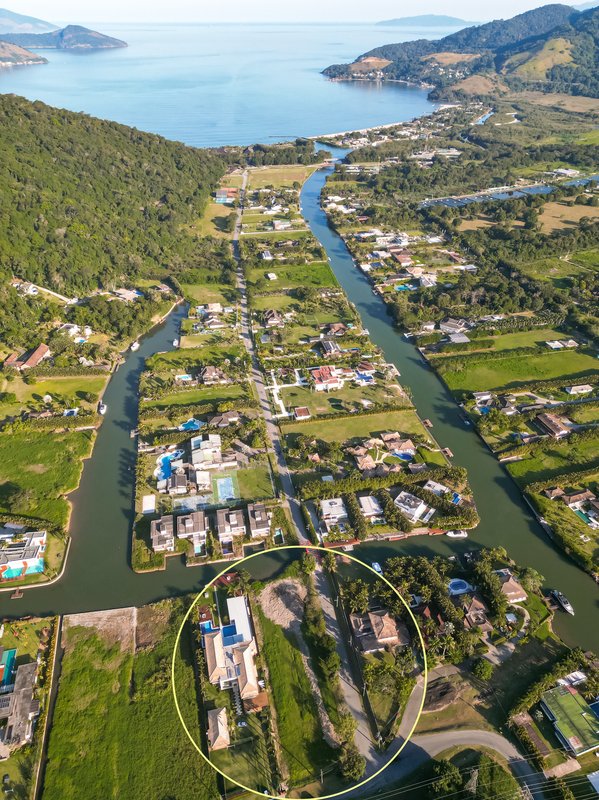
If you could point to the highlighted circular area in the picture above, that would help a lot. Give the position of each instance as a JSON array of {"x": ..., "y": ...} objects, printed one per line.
[{"x": 311, "y": 673}]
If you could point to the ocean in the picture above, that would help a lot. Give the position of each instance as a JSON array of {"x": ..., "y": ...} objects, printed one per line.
[{"x": 216, "y": 84}]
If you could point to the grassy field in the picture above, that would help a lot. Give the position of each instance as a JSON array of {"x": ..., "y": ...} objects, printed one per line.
[
  {"x": 300, "y": 735},
  {"x": 203, "y": 293},
  {"x": 554, "y": 270},
  {"x": 554, "y": 459},
  {"x": 318, "y": 274},
  {"x": 511, "y": 372},
  {"x": 557, "y": 216},
  {"x": 283, "y": 176},
  {"x": 69, "y": 389},
  {"x": 37, "y": 469},
  {"x": 347, "y": 399},
  {"x": 586, "y": 258},
  {"x": 255, "y": 483},
  {"x": 195, "y": 356},
  {"x": 213, "y": 221},
  {"x": 359, "y": 426},
  {"x": 198, "y": 396},
  {"x": 116, "y": 732},
  {"x": 246, "y": 762}
]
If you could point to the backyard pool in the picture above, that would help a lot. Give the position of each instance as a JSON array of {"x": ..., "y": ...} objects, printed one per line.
[
  {"x": 458, "y": 586},
  {"x": 191, "y": 425},
  {"x": 165, "y": 465}
]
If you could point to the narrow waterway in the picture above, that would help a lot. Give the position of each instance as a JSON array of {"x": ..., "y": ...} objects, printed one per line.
[
  {"x": 505, "y": 518},
  {"x": 98, "y": 573}
]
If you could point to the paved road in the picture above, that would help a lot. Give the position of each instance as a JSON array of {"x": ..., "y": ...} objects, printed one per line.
[
  {"x": 421, "y": 748},
  {"x": 272, "y": 429}
]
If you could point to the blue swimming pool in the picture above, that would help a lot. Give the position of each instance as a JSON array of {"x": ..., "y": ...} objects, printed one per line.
[
  {"x": 191, "y": 425},
  {"x": 458, "y": 586},
  {"x": 583, "y": 517},
  {"x": 403, "y": 456},
  {"x": 206, "y": 627},
  {"x": 7, "y": 662}
]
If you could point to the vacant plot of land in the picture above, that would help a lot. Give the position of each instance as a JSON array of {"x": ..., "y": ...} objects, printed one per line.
[
  {"x": 189, "y": 357},
  {"x": 555, "y": 458},
  {"x": 586, "y": 258},
  {"x": 214, "y": 221},
  {"x": 203, "y": 293},
  {"x": 557, "y": 216},
  {"x": 318, "y": 274},
  {"x": 446, "y": 59},
  {"x": 350, "y": 398},
  {"x": 558, "y": 271},
  {"x": 247, "y": 761},
  {"x": 255, "y": 482},
  {"x": 38, "y": 469},
  {"x": 366, "y": 65},
  {"x": 511, "y": 372},
  {"x": 300, "y": 734},
  {"x": 566, "y": 102},
  {"x": 198, "y": 396},
  {"x": 356, "y": 426},
  {"x": 283, "y": 176},
  {"x": 119, "y": 706}
]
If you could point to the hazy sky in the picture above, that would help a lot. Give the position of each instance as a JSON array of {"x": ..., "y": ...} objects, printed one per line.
[{"x": 258, "y": 10}]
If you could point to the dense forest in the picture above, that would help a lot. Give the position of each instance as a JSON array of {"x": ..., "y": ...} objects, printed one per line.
[{"x": 86, "y": 203}]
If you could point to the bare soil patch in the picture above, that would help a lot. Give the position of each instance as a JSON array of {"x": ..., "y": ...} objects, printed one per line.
[
  {"x": 369, "y": 64},
  {"x": 152, "y": 622},
  {"x": 446, "y": 59},
  {"x": 114, "y": 627}
]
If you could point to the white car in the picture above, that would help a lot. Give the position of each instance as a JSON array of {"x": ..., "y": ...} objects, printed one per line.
[
  {"x": 377, "y": 567},
  {"x": 242, "y": 724}
]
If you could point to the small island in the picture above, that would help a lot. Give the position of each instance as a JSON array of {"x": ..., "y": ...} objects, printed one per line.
[
  {"x": 73, "y": 37},
  {"x": 426, "y": 21}
]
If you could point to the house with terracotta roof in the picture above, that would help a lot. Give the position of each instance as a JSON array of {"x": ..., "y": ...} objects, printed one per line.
[
  {"x": 326, "y": 379},
  {"x": 511, "y": 587},
  {"x": 218, "y": 729},
  {"x": 376, "y": 630},
  {"x": 230, "y": 652}
]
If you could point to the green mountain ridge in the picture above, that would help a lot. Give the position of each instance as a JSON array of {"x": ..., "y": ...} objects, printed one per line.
[
  {"x": 551, "y": 49},
  {"x": 73, "y": 37},
  {"x": 11, "y": 22}
]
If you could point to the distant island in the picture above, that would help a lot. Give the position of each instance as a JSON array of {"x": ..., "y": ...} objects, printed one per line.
[
  {"x": 11, "y": 22},
  {"x": 426, "y": 21},
  {"x": 11, "y": 55},
  {"x": 73, "y": 37}
]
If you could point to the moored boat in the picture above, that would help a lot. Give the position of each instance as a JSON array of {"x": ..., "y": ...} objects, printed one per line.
[
  {"x": 563, "y": 601},
  {"x": 134, "y": 347},
  {"x": 457, "y": 534},
  {"x": 102, "y": 408}
]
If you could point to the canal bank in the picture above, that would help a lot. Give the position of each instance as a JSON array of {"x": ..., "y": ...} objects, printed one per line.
[
  {"x": 98, "y": 574},
  {"x": 506, "y": 520}
]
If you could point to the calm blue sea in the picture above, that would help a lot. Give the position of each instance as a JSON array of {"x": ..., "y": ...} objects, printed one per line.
[{"x": 220, "y": 84}]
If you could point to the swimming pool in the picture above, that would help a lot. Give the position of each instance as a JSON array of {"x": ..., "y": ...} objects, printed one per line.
[
  {"x": 583, "y": 516},
  {"x": 403, "y": 456},
  {"x": 458, "y": 586},
  {"x": 191, "y": 425},
  {"x": 7, "y": 664},
  {"x": 165, "y": 467}
]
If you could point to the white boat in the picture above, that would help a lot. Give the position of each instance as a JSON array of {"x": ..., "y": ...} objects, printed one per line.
[
  {"x": 102, "y": 408},
  {"x": 175, "y": 343},
  {"x": 134, "y": 347},
  {"x": 457, "y": 534},
  {"x": 377, "y": 567},
  {"x": 563, "y": 601}
]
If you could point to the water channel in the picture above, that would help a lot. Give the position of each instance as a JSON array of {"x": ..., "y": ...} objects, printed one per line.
[{"x": 98, "y": 573}]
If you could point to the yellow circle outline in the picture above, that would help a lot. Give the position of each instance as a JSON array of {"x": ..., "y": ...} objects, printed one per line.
[{"x": 236, "y": 564}]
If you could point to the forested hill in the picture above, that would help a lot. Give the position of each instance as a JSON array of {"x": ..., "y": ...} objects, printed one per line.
[
  {"x": 552, "y": 48},
  {"x": 73, "y": 37},
  {"x": 84, "y": 203}
]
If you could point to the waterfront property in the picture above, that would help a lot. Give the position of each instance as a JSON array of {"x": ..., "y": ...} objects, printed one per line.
[
  {"x": 231, "y": 650},
  {"x": 576, "y": 724},
  {"x": 21, "y": 552},
  {"x": 19, "y": 706}
]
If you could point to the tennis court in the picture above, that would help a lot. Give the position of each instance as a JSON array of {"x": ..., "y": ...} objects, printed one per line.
[{"x": 226, "y": 488}]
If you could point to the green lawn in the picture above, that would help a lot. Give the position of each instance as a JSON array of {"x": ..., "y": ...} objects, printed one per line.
[
  {"x": 69, "y": 389},
  {"x": 586, "y": 258},
  {"x": 246, "y": 761},
  {"x": 255, "y": 483},
  {"x": 507, "y": 341},
  {"x": 116, "y": 732},
  {"x": 213, "y": 353},
  {"x": 203, "y": 293},
  {"x": 318, "y": 274},
  {"x": 38, "y": 468},
  {"x": 360, "y": 426},
  {"x": 553, "y": 459},
  {"x": 280, "y": 302},
  {"x": 283, "y": 176},
  {"x": 514, "y": 371},
  {"x": 553, "y": 270},
  {"x": 345, "y": 400},
  {"x": 198, "y": 396},
  {"x": 300, "y": 735}
]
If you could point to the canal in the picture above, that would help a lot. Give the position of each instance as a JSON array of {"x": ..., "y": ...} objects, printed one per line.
[
  {"x": 505, "y": 518},
  {"x": 98, "y": 573}
]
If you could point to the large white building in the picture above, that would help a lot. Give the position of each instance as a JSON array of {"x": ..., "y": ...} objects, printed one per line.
[{"x": 231, "y": 651}]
